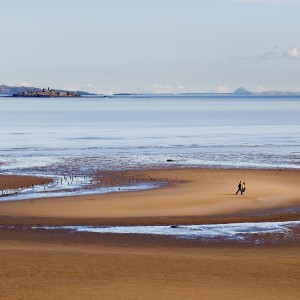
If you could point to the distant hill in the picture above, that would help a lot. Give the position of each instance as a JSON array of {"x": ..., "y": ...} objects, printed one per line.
[
  {"x": 242, "y": 92},
  {"x": 11, "y": 90}
]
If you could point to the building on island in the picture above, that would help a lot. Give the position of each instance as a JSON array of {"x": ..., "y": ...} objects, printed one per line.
[{"x": 46, "y": 93}]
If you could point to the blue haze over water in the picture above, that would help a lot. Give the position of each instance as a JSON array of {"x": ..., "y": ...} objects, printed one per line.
[{"x": 83, "y": 135}]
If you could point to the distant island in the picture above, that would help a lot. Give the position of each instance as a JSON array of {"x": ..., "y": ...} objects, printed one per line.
[
  {"x": 46, "y": 93},
  {"x": 25, "y": 91}
]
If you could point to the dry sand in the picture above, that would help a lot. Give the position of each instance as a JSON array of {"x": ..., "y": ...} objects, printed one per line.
[
  {"x": 188, "y": 195},
  {"x": 59, "y": 265}
]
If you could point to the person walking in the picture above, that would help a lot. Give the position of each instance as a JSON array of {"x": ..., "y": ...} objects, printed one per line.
[
  {"x": 239, "y": 188},
  {"x": 243, "y": 187}
]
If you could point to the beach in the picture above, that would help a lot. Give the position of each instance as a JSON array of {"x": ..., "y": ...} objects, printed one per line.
[
  {"x": 150, "y": 150},
  {"x": 185, "y": 196},
  {"x": 58, "y": 264}
]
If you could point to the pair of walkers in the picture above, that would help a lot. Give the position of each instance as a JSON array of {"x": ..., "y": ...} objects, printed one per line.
[{"x": 241, "y": 188}]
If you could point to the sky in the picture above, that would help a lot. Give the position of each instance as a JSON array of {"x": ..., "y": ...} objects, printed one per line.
[{"x": 151, "y": 46}]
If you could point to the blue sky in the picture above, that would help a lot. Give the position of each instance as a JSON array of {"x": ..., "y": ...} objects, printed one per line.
[{"x": 151, "y": 46}]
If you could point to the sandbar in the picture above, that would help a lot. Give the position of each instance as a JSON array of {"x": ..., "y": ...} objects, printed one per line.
[{"x": 183, "y": 196}]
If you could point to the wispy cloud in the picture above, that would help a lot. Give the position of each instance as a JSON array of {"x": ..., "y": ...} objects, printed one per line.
[
  {"x": 222, "y": 89},
  {"x": 261, "y": 89},
  {"x": 24, "y": 83},
  {"x": 269, "y": 55},
  {"x": 167, "y": 89},
  {"x": 290, "y": 53},
  {"x": 293, "y": 53},
  {"x": 105, "y": 92}
]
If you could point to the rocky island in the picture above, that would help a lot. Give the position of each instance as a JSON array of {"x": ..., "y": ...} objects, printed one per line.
[{"x": 46, "y": 93}]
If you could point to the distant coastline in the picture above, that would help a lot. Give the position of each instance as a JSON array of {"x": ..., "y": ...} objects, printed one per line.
[
  {"x": 13, "y": 91},
  {"x": 24, "y": 91},
  {"x": 240, "y": 92}
]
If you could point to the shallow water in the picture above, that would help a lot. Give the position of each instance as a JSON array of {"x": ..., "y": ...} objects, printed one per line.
[
  {"x": 64, "y": 186},
  {"x": 122, "y": 132},
  {"x": 233, "y": 231},
  {"x": 63, "y": 137}
]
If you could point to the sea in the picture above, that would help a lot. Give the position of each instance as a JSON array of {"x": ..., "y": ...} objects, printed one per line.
[
  {"x": 136, "y": 132},
  {"x": 82, "y": 136}
]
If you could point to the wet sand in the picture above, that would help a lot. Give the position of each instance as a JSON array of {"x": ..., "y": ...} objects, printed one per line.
[
  {"x": 61, "y": 265},
  {"x": 56, "y": 265},
  {"x": 19, "y": 182}
]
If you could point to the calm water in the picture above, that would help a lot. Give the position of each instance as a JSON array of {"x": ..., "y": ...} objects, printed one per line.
[
  {"x": 232, "y": 231},
  {"x": 57, "y": 136}
]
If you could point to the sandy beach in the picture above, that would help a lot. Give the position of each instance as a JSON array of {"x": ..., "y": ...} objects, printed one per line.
[
  {"x": 187, "y": 196},
  {"x": 40, "y": 264}
]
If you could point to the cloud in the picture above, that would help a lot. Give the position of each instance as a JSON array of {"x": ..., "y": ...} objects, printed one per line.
[
  {"x": 167, "y": 89},
  {"x": 293, "y": 53},
  {"x": 222, "y": 89},
  {"x": 261, "y": 89},
  {"x": 269, "y": 55},
  {"x": 24, "y": 83},
  {"x": 105, "y": 92}
]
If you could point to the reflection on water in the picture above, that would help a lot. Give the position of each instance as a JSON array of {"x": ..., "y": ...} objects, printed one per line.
[
  {"x": 68, "y": 186},
  {"x": 234, "y": 231}
]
